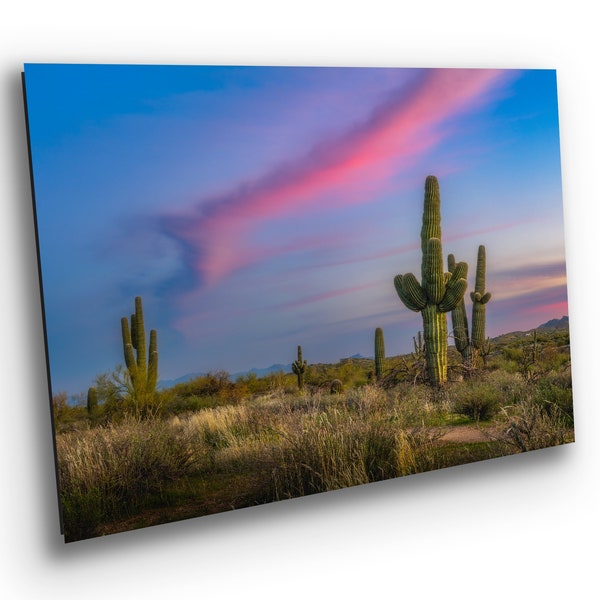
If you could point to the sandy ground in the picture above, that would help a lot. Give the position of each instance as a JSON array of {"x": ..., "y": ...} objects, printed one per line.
[{"x": 465, "y": 433}]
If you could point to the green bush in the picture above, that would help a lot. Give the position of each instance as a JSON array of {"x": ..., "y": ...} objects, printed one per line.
[
  {"x": 555, "y": 398},
  {"x": 479, "y": 400}
]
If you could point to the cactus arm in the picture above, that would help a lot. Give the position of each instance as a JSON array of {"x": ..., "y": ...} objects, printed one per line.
[
  {"x": 133, "y": 331},
  {"x": 480, "y": 273},
  {"x": 460, "y": 324},
  {"x": 410, "y": 292},
  {"x": 140, "y": 334},
  {"x": 130, "y": 362},
  {"x": 455, "y": 287},
  {"x": 453, "y": 296}
]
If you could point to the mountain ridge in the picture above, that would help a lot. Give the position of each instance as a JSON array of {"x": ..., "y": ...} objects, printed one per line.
[{"x": 551, "y": 325}]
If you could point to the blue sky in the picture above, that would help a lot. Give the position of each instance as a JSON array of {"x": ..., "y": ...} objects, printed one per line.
[{"x": 255, "y": 209}]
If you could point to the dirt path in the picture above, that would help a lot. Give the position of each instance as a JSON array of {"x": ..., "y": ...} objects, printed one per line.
[{"x": 466, "y": 434}]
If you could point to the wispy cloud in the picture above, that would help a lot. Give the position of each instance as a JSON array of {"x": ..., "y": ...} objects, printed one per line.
[
  {"x": 213, "y": 233},
  {"x": 328, "y": 295},
  {"x": 526, "y": 280}
]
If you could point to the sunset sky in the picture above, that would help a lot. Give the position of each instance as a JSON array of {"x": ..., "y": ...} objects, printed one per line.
[{"x": 258, "y": 208}]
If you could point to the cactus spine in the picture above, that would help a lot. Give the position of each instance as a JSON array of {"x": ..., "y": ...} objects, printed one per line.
[
  {"x": 142, "y": 367},
  {"x": 438, "y": 292},
  {"x": 299, "y": 368},
  {"x": 379, "y": 353},
  {"x": 470, "y": 349}
]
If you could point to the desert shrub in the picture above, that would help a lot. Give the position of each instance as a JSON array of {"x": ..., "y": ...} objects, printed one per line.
[
  {"x": 336, "y": 387},
  {"x": 66, "y": 416},
  {"x": 328, "y": 451},
  {"x": 530, "y": 426},
  {"x": 512, "y": 387},
  {"x": 109, "y": 471},
  {"x": 366, "y": 400},
  {"x": 553, "y": 398},
  {"x": 479, "y": 400}
]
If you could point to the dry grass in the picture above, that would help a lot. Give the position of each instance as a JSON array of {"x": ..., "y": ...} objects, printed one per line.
[{"x": 283, "y": 445}]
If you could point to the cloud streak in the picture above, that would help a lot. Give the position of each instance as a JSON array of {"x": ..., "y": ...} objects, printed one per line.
[{"x": 213, "y": 233}]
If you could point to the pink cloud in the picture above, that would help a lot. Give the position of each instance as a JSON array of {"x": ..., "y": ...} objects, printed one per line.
[
  {"x": 336, "y": 172},
  {"x": 397, "y": 250}
]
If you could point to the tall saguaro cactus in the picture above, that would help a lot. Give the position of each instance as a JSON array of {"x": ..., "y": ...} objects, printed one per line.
[
  {"x": 470, "y": 348},
  {"x": 379, "y": 353},
  {"x": 299, "y": 368},
  {"x": 438, "y": 292},
  {"x": 143, "y": 371}
]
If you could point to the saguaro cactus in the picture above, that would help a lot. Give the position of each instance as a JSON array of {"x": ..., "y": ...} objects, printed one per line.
[
  {"x": 92, "y": 400},
  {"x": 142, "y": 373},
  {"x": 479, "y": 298},
  {"x": 470, "y": 348},
  {"x": 299, "y": 368},
  {"x": 438, "y": 292},
  {"x": 460, "y": 324},
  {"x": 379, "y": 353}
]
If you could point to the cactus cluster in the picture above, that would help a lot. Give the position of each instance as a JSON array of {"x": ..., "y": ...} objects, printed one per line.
[
  {"x": 379, "y": 353},
  {"x": 439, "y": 292},
  {"x": 143, "y": 372},
  {"x": 471, "y": 348},
  {"x": 299, "y": 368}
]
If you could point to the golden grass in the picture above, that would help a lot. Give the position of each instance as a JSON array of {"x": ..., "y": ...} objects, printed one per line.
[{"x": 291, "y": 445}]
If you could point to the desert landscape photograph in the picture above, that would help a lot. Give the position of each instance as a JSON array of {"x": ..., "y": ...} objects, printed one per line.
[{"x": 263, "y": 283}]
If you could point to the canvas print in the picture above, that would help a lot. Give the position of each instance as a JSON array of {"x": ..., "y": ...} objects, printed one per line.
[{"x": 261, "y": 283}]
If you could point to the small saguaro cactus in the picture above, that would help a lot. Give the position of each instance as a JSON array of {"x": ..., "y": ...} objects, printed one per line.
[
  {"x": 142, "y": 373},
  {"x": 379, "y": 353},
  {"x": 299, "y": 368},
  {"x": 92, "y": 400},
  {"x": 479, "y": 298},
  {"x": 438, "y": 292},
  {"x": 471, "y": 348}
]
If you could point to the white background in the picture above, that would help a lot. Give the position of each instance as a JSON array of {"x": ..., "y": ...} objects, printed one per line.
[{"x": 519, "y": 527}]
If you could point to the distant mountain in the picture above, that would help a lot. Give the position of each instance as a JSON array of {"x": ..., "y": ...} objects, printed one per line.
[
  {"x": 276, "y": 368},
  {"x": 167, "y": 383},
  {"x": 552, "y": 325},
  {"x": 549, "y": 326},
  {"x": 555, "y": 324},
  {"x": 353, "y": 357}
]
